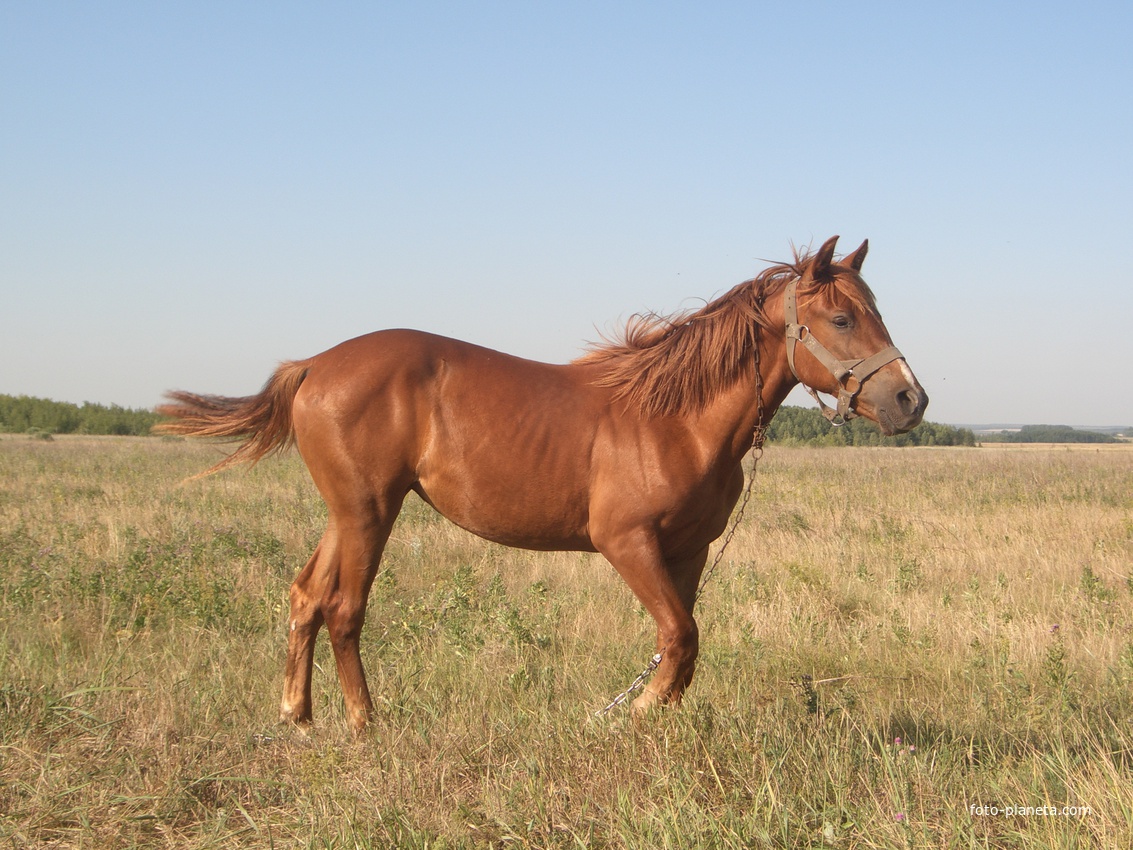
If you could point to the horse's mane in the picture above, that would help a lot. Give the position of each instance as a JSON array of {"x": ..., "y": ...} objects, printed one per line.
[{"x": 666, "y": 365}]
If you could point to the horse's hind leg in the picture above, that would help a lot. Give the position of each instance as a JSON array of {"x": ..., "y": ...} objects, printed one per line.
[
  {"x": 303, "y": 627},
  {"x": 361, "y": 541},
  {"x": 333, "y": 589}
]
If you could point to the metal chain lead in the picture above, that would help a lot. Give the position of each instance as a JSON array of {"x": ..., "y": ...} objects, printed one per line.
[
  {"x": 759, "y": 434},
  {"x": 634, "y": 686}
]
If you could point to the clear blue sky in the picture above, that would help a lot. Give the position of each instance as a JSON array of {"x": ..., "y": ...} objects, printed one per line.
[{"x": 192, "y": 192}]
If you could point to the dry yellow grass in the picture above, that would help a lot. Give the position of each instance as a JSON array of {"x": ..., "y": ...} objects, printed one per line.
[{"x": 974, "y": 603}]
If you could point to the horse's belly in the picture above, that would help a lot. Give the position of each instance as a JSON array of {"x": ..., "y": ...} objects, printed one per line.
[{"x": 512, "y": 516}]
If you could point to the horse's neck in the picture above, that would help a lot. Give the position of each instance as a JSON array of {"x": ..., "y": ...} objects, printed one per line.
[{"x": 750, "y": 403}]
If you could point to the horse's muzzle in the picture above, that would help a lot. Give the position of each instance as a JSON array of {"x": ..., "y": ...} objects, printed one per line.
[{"x": 903, "y": 411}]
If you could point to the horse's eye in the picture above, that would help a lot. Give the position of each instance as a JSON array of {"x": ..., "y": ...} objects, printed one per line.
[{"x": 842, "y": 321}]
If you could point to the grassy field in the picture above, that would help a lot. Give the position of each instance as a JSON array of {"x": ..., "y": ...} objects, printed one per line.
[{"x": 902, "y": 648}]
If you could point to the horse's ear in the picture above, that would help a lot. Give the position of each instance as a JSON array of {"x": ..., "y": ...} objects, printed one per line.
[
  {"x": 856, "y": 259},
  {"x": 820, "y": 265}
]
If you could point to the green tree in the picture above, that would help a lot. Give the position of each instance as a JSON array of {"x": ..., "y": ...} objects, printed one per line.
[
  {"x": 808, "y": 427},
  {"x": 1048, "y": 434},
  {"x": 23, "y": 414}
]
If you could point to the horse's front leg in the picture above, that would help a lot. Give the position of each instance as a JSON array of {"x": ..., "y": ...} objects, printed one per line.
[
  {"x": 686, "y": 574},
  {"x": 637, "y": 558}
]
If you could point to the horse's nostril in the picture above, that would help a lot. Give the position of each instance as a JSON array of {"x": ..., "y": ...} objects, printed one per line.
[{"x": 908, "y": 401}]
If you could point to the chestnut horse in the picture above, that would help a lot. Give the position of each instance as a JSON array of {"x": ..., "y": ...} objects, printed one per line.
[{"x": 634, "y": 450}]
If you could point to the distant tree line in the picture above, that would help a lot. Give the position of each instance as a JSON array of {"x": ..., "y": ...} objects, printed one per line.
[
  {"x": 26, "y": 415},
  {"x": 807, "y": 426},
  {"x": 1048, "y": 434}
]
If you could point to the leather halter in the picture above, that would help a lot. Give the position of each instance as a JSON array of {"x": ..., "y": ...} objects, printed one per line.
[{"x": 850, "y": 374}]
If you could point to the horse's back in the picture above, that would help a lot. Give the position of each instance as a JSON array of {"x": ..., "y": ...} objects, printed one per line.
[
  {"x": 394, "y": 367},
  {"x": 499, "y": 444}
]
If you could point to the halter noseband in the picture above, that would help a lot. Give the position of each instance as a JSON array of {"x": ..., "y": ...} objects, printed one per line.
[{"x": 850, "y": 374}]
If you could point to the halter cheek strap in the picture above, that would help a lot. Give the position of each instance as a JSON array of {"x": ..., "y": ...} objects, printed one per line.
[{"x": 850, "y": 374}]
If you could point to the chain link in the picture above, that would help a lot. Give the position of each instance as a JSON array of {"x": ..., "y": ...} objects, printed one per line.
[{"x": 759, "y": 435}]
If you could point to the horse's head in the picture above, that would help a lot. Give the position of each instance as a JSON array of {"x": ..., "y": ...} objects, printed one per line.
[{"x": 837, "y": 344}]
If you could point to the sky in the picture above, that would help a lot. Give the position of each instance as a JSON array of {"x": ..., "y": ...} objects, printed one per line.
[{"x": 191, "y": 193}]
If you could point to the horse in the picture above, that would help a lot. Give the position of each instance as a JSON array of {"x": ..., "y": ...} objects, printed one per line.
[{"x": 634, "y": 450}]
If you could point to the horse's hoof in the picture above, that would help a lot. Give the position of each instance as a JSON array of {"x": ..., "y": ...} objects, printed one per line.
[{"x": 646, "y": 703}]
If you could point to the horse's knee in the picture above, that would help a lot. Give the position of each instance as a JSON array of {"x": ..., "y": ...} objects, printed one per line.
[{"x": 344, "y": 618}]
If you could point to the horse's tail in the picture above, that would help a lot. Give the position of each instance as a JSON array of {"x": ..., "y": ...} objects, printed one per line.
[{"x": 263, "y": 421}]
